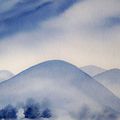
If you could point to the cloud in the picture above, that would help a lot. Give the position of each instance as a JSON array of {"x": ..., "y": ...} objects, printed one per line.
[
  {"x": 7, "y": 5},
  {"x": 83, "y": 34},
  {"x": 22, "y": 15}
]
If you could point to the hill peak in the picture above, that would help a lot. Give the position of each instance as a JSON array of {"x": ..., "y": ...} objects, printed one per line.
[
  {"x": 92, "y": 70},
  {"x": 111, "y": 72},
  {"x": 5, "y": 74}
]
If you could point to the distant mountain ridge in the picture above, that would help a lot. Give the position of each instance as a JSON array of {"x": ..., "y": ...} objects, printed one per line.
[
  {"x": 92, "y": 70},
  {"x": 5, "y": 74},
  {"x": 110, "y": 79},
  {"x": 110, "y": 74}
]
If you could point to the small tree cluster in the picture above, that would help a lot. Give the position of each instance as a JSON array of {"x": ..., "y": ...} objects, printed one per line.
[
  {"x": 46, "y": 113},
  {"x": 31, "y": 110},
  {"x": 9, "y": 112}
]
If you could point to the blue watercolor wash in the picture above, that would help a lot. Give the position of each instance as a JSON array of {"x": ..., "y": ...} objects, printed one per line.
[
  {"x": 26, "y": 15},
  {"x": 112, "y": 21}
]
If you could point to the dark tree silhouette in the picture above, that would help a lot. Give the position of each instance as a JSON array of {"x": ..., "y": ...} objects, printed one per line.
[
  {"x": 46, "y": 113},
  {"x": 32, "y": 110},
  {"x": 9, "y": 112}
]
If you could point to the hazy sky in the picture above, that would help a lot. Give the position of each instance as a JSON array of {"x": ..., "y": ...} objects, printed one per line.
[{"x": 82, "y": 32}]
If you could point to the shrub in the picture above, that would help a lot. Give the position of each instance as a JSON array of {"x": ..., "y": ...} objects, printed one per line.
[
  {"x": 1, "y": 114},
  {"x": 32, "y": 110},
  {"x": 46, "y": 113},
  {"x": 9, "y": 112}
]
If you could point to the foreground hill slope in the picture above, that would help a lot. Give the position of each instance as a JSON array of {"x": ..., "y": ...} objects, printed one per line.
[{"x": 59, "y": 82}]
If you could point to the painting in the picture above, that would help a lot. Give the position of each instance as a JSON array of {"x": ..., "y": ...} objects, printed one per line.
[{"x": 59, "y": 60}]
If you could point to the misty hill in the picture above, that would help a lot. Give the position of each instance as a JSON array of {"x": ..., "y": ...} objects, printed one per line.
[
  {"x": 111, "y": 80},
  {"x": 59, "y": 82},
  {"x": 92, "y": 70},
  {"x": 5, "y": 74}
]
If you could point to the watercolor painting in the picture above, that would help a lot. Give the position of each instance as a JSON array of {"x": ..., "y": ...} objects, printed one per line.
[{"x": 59, "y": 59}]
